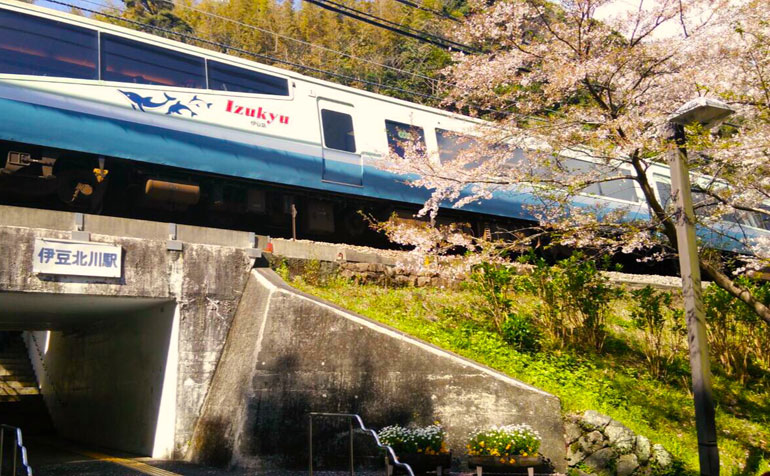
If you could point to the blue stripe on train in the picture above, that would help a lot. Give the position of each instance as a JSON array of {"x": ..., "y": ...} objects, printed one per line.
[{"x": 53, "y": 127}]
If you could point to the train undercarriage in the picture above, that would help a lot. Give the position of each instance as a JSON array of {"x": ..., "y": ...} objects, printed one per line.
[
  {"x": 40, "y": 177},
  {"x": 67, "y": 180}
]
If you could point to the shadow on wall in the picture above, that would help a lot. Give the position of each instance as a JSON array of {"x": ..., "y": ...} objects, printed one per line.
[{"x": 276, "y": 420}]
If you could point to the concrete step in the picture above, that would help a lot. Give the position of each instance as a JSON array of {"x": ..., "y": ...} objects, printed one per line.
[
  {"x": 18, "y": 383},
  {"x": 12, "y": 390},
  {"x": 5, "y": 372}
]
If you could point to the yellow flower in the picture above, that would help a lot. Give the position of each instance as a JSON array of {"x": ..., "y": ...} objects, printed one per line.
[
  {"x": 524, "y": 454},
  {"x": 512, "y": 461},
  {"x": 502, "y": 460},
  {"x": 481, "y": 444}
]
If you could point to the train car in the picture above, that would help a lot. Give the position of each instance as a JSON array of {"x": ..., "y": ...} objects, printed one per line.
[{"x": 98, "y": 116}]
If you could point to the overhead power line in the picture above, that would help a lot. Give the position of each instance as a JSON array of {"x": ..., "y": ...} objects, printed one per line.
[
  {"x": 226, "y": 47},
  {"x": 429, "y": 10},
  {"x": 296, "y": 40},
  {"x": 392, "y": 26}
]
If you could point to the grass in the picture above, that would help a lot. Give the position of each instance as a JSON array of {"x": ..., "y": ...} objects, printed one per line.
[{"x": 614, "y": 382}]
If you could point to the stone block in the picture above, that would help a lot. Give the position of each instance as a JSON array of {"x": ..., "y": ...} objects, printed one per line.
[
  {"x": 626, "y": 465},
  {"x": 572, "y": 432},
  {"x": 574, "y": 455},
  {"x": 593, "y": 420},
  {"x": 592, "y": 442},
  {"x": 620, "y": 437},
  {"x": 642, "y": 449},
  {"x": 601, "y": 460},
  {"x": 660, "y": 457}
]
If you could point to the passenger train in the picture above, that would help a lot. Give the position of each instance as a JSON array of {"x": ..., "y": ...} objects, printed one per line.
[{"x": 93, "y": 114}]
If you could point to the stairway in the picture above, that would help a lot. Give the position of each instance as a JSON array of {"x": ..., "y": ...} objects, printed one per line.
[{"x": 21, "y": 403}]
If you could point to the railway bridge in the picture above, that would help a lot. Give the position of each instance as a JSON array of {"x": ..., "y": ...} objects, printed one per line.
[{"x": 176, "y": 342}]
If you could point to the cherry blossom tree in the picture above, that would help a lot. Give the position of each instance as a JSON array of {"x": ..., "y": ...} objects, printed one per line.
[{"x": 577, "y": 97}]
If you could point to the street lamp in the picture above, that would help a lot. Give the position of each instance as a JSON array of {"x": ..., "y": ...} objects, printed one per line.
[{"x": 708, "y": 113}]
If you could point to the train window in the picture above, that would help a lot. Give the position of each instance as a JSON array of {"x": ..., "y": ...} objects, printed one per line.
[
  {"x": 451, "y": 144},
  {"x": 223, "y": 77},
  {"x": 37, "y": 46},
  {"x": 338, "y": 130},
  {"x": 578, "y": 167},
  {"x": 663, "y": 185},
  {"x": 134, "y": 62},
  {"x": 622, "y": 189},
  {"x": 400, "y": 133}
]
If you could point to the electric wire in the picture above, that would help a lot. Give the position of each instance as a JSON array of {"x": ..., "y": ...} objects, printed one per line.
[
  {"x": 392, "y": 26},
  {"x": 429, "y": 10},
  {"x": 262, "y": 56},
  {"x": 296, "y": 40}
]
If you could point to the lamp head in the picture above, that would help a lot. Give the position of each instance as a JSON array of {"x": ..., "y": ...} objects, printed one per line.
[{"x": 708, "y": 112}]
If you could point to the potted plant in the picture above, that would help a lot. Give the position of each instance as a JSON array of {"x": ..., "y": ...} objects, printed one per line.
[
  {"x": 422, "y": 448},
  {"x": 509, "y": 448}
]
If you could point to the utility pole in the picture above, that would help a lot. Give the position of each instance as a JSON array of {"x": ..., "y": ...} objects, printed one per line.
[{"x": 708, "y": 113}]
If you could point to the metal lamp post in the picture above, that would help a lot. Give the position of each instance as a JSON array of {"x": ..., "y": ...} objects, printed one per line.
[{"x": 707, "y": 112}]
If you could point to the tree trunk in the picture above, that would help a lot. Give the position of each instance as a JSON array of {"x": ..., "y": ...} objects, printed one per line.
[{"x": 724, "y": 282}]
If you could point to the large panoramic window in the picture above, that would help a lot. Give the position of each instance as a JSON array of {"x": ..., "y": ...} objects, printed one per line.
[
  {"x": 41, "y": 47},
  {"x": 400, "y": 133},
  {"x": 451, "y": 144},
  {"x": 338, "y": 130},
  {"x": 133, "y": 62},
  {"x": 622, "y": 189},
  {"x": 224, "y": 77}
]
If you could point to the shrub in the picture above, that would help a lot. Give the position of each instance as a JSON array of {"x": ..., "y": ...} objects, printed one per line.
[
  {"x": 574, "y": 300},
  {"x": 493, "y": 282},
  {"x": 521, "y": 332},
  {"x": 663, "y": 330},
  {"x": 736, "y": 335},
  {"x": 506, "y": 442},
  {"x": 404, "y": 440}
]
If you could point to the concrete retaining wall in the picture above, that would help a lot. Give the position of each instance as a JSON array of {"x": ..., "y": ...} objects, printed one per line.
[{"x": 289, "y": 353}]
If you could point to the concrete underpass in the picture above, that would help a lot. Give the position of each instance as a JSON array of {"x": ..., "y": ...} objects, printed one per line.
[
  {"x": 187, "y": 356},
  {"x": 113, "y": 365}
]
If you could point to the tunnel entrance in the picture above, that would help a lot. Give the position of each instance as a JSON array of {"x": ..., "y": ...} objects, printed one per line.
[{"x": 97, "y": 370}]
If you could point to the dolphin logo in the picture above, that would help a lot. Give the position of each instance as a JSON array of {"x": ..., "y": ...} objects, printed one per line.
[
  {"x": 141, "y": 102},
  {"x": 178, "y": 108},
  {"x": 196, "y": 99}
]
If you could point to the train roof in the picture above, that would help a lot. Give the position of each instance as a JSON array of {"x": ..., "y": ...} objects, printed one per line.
[{"x": 184, "y": 47}]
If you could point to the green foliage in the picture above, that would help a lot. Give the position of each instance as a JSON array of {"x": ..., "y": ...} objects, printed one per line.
[
  {"x": 615, "y": 382},
  {"x": 521, "y": 332},
  {"x": 493, "y": 282},
  {"x": 403, "y": 440},
  {"x": 574, "y": 301},
  {"x": 663, "y": 329},
  {"x": 505, "y": 442},
  {"x": 738, "y": 339}
]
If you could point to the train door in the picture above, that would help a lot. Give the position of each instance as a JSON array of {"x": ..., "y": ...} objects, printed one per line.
[{"x": 341, "y": 153}]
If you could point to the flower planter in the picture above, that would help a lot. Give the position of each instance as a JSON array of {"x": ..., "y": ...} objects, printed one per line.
[
  {"x": 422, "y": 463},
  {"x": 492, "y": 464}
]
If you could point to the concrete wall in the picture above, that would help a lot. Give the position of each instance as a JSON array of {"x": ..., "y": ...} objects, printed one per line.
[
  {"x": 107, "y": 377},
  {"x": 288, "y": 354},
  {"x": 204, "y": 280}
]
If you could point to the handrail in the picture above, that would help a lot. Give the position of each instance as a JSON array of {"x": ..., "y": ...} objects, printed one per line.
[
  {"x": 362, "y": 427},
  {"x": 19, "y": 445}
]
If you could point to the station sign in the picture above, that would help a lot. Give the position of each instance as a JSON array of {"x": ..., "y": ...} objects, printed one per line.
[{"x": 77, "y": 258}]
